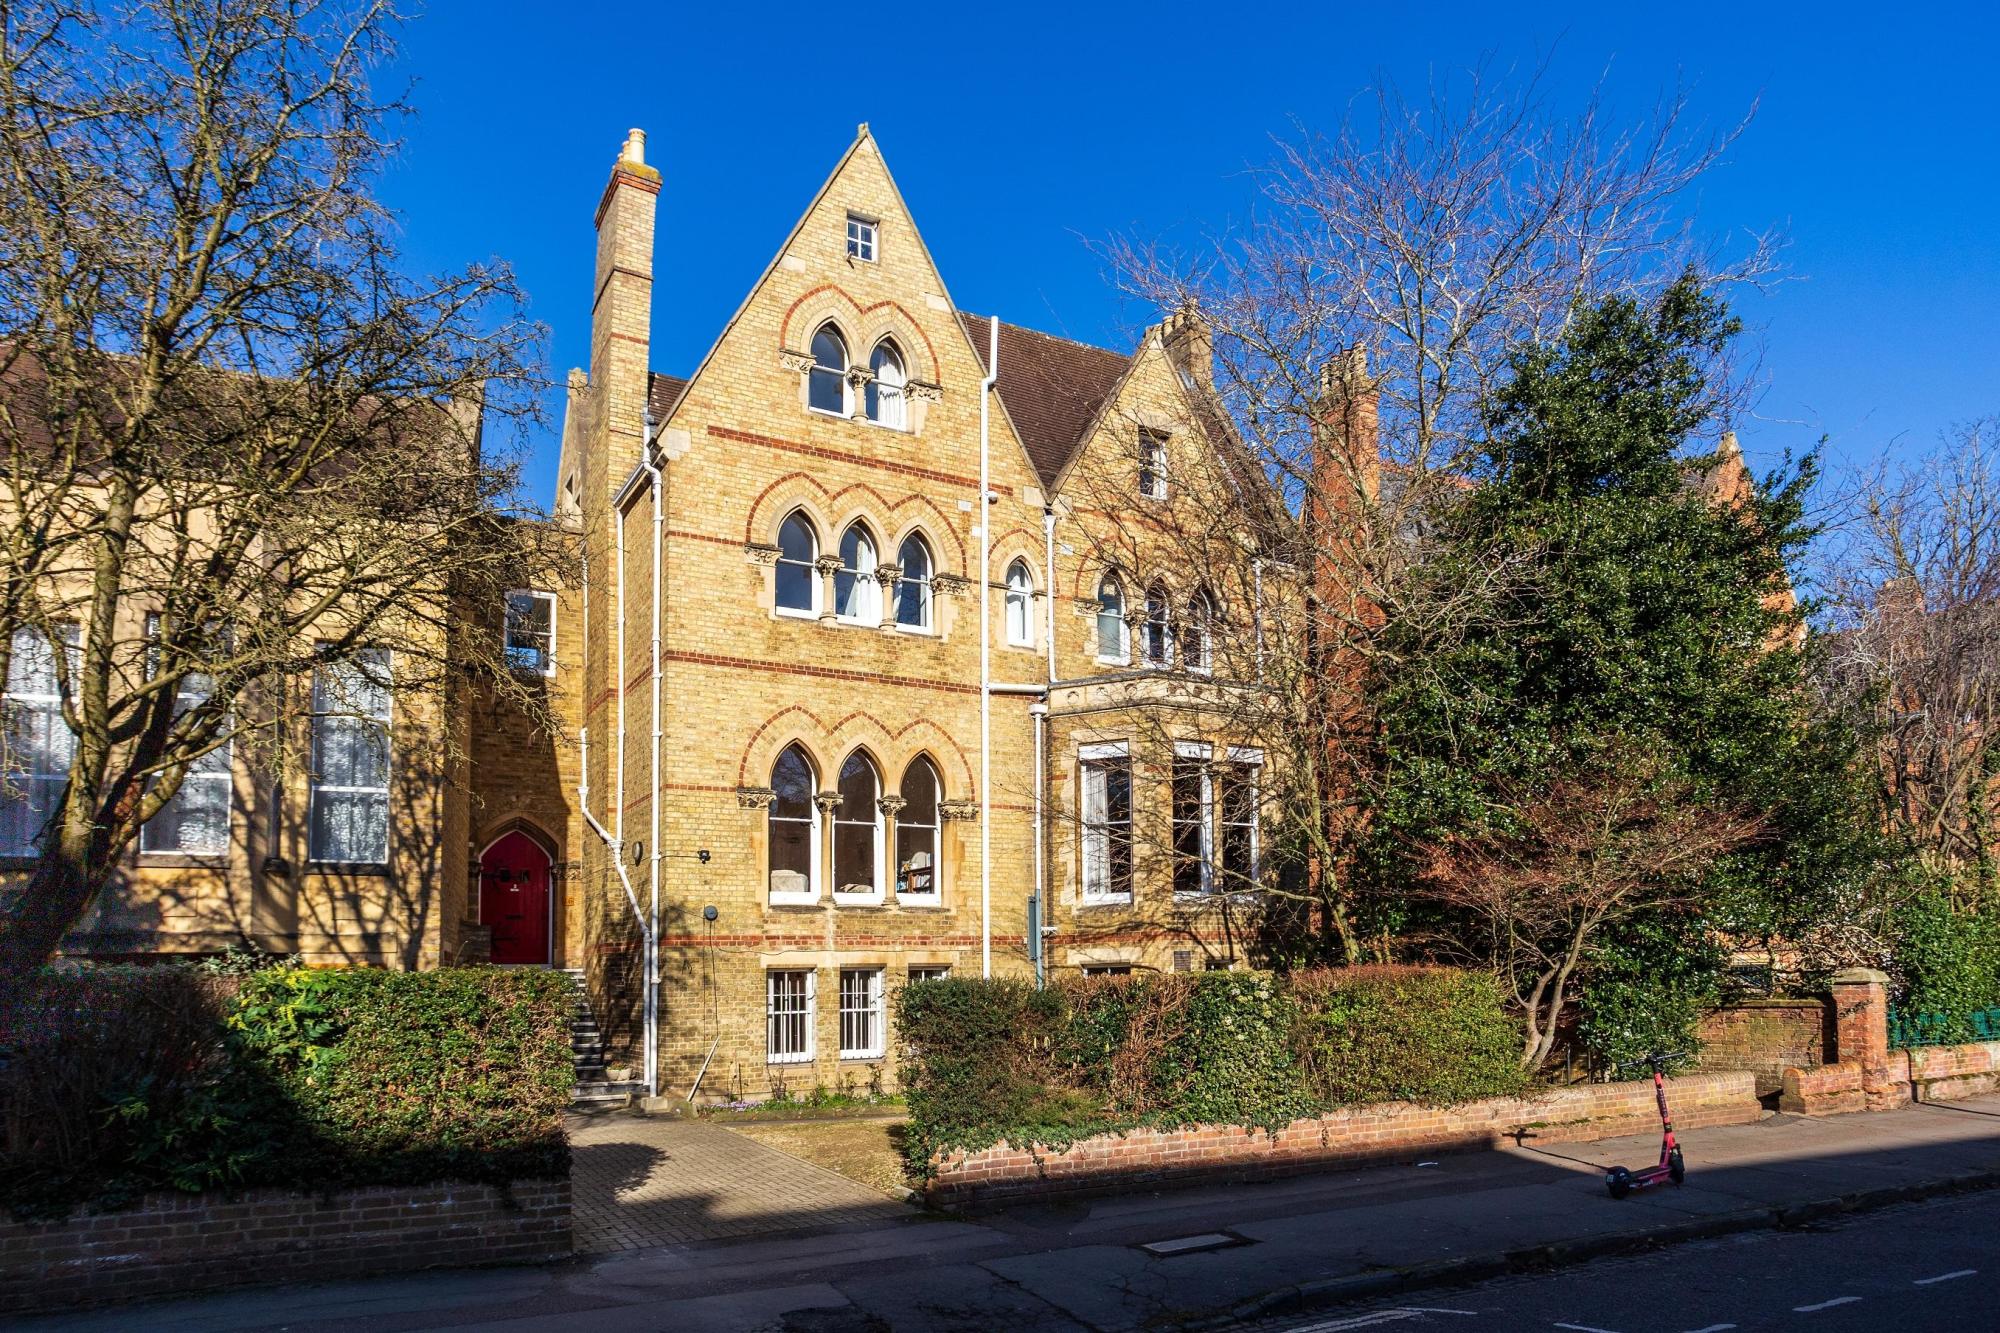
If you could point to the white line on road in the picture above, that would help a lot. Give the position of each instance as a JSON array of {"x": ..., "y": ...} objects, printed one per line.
[
  {"x": 1714, "y": 1328},
  {"x": 1824, "y": 1305},
  {"x": 1584, "y": 1328},
  {"x": 1944, "y": 1277},
  {"x": 1435, "y": 1309},
  {"x": 1368, "y": 1320}
]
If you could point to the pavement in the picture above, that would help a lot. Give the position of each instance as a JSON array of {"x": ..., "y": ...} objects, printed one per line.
[{"x": 1281, "y": 1250}]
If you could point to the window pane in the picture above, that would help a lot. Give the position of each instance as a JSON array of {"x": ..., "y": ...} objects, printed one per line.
[
  {"x": 1110, "y": 620},
  {"x": 788, "y": 1006},
  {"x": 913, "y": 593},
  {"x": 790, "y": 824},
  {"x": 856, "y": 593},
  {"x": 350, "y": 826},
  {"x": 196, "y": 818},
  {"x": 530, "y": 626},
  {"x": 828, "y": 379},
  {"x": 795, "y": 586},
  {"x": 792, "y": 780},
  {"x": 1189, "y": 818},
  {"x": 797, "y": 550},
  {"x": 1107, "y": 826},
  {"x": 916, "y": 831},
  {"x": 1156, "y": 626}
]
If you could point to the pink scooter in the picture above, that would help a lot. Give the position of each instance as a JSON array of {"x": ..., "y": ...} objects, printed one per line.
[{"x": 1622, "y": 1182}]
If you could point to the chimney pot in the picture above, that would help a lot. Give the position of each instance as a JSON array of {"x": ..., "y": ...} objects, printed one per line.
[{"x": 634, "y": 151}]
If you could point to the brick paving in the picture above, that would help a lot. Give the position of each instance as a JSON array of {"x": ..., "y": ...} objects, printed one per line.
[{"x": 641, "y": 1181}]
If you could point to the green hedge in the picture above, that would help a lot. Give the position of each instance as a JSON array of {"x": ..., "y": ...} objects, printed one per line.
[
  {"x": 118, "y": 1081},
  {"x": 1948, "y": 956},
  {"x": 997, "y": 1060}
]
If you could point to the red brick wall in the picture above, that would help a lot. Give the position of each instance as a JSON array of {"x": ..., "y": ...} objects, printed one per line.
[
  {"x": 1767, "y": 1037},
  {"x": 1954, "y": 1073},
  {"x": 1351, "y": 1137},
  {"x": 190, "y": 1242}
]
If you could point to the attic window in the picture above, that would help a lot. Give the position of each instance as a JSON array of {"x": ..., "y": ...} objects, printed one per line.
[
  {"x": 1152, "y": 466},
  {"x": 860, "y": 239}
]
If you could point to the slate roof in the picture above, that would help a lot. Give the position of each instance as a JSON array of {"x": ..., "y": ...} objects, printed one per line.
[
  {"x": 1051, "y": 387},
  {"x": 662, "y": 392}
]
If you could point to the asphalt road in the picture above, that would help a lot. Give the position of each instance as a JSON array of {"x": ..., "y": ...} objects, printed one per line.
[{"x": 1914, "y": 1269}]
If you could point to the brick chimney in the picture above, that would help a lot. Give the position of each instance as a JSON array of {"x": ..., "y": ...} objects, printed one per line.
[
  {"x": 621, "y": 314},
  {"x": 1190, "y": 343}
]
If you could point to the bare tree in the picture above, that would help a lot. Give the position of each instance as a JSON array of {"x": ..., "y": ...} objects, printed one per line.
[
  {"x": 238, "y": 442},
  {"x": 1912, "y": 583},
  {"x": 1355, "y": 327},
  {"x": 1559, "y": 865}
]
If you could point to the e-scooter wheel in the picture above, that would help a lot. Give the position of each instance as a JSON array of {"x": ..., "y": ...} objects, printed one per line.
[
  {"x": 1619, "y": 1181},
  {"x": 1676, "y": 1168}
]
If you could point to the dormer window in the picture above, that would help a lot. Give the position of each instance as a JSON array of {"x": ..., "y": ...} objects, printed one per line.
[
  {"x": 860, "y": 239},
  {"x": 830, "y": 390}
]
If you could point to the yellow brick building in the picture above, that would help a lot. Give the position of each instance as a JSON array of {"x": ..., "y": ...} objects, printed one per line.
[{"x": 781, "y": 640}]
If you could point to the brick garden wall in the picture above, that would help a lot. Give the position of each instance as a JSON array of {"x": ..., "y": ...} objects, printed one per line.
[
  {"x": 181, "y": 1242},
  {"x": 1352, "y": 1137},
  {"x": 1767, "y": 1037}
]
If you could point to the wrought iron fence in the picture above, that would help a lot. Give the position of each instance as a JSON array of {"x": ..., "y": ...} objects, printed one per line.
[{"x": 1906, "y": 1029}]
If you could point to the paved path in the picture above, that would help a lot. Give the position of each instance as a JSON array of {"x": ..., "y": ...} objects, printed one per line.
[
  {"x": 639, "y": 1181},
  {"x": 1079, "y": 1266}
]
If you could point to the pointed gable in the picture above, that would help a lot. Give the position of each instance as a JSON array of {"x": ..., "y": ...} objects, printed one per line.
[{"x": 1051, "y": 387}]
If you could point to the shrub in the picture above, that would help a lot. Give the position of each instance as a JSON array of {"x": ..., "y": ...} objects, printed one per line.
[
  {"x": 1649, "y": 984},
  {"x": 118, "y": 1081},
  {"x": 1416, "y": 1034},
  {"x": 1949, "y": 959}
]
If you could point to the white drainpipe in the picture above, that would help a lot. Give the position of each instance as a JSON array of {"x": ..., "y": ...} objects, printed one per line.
[
  {"x": 1049, "y": 583},
  {"x": 986, "y": 649},
  {"x": 653, "y": 921}
]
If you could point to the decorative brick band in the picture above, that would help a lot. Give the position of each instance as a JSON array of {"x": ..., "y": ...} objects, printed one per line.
[
  {"x": 194, "y": 1242},
  {"x": 1357, "y": 1136}
]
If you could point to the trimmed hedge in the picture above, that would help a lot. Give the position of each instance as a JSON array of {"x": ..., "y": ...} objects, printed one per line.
[
  {"x": 120, "y": 1081},
  {"x": 997, "y": 1060}
]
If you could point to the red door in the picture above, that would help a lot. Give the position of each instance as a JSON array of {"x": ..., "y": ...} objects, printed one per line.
[{"x": 514, "y": 899}]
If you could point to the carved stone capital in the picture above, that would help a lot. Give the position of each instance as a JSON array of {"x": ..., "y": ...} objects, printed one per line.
[
  {"x": 859, "y": 375},
  {"x": 958, "y": 809},
  {"x": 796, "y": 362},
  {"x": 759, "y": 553},
  {"x": 827, "y": 801},
  {"x": 1087, "y": 606},
  {"x": 887, "y": 575},
  {"x": 755, "y": 798},
  {"x": 949, "y": 585},
  {"x": 890, "y": 804},
  {"x": 828, "y": 564},
  {"x": 923, "y": 391}
]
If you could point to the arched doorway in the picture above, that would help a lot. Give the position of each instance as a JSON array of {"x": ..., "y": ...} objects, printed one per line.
[{"x": 514, "y": 898}]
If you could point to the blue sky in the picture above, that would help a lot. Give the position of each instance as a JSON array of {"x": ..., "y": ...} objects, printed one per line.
[{"x": 1020, "y": 133}]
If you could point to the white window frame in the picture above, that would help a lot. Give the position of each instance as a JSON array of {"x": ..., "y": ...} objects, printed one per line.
[
  {"x": 868, "y": 587},
  {"x": 935, "y": 896},
  {"x": 846, "y": 411},
  {"x": 315, "y": 787},
  {"x": 1095, "y": 836},
  {"x": 1160, "y": 630},
  {"x": 864, "y": 238},
  {"x": 863, "y": 1006},
  {"x": 811, "y": 610},
  {"x": 804, "y": 1018},
  {"x": 226, "y": 778},
  {"x": 927, "y": 593},
  {"x": 1152, "y": 465},
  {"x": 1204, "y": 816},
  {"x": 1022, "y": 597},
  {"x": 815, "y": 850},
  {"x": 21, "y": 786},
  {"x": 1240, "y": 757},
  {"x": 891, "y": 395},
  {"x": 926, "y": 973},
  {"x": 1123, "y": 657},
  {"x": 873, "y": 894},
  {"x": 1105, "y": 969},
  {"x": 1198, "y": 616},
  {"x": 548, "y": 667}
]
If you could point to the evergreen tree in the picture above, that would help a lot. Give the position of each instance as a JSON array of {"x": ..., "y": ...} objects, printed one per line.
[{"x": 1653, "y": 616}]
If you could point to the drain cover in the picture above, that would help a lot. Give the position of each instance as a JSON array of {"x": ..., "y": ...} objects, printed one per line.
[{"x": 1207, "y": 1240}]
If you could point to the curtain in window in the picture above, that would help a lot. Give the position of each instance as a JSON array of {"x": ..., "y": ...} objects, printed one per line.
[
  {"x": 1158, "y": 642},
  {"x": 884, "y": 399},
  {"x": 857, "y": 595},
  {"x": 1111, "y": 618},
  {"x": 1020, "y": 605},
  {"x": 1107, "y": 827},
  {"x": 35, "y": 744},
  {"x": 196, "y": 819},
  {"x": 350, "y": 761}
]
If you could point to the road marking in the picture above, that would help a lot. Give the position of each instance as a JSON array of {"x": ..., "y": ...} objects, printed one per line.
[
  {"x": 1435, "y": 1309},
  {"x": 1358, "y": 1321},
  {"x": 1944, "y": 1277},
  {"x": 1714, "y": 1328},
  {"x": 1824, "y": 1305},
  {"x": 1584, "y": 1328}
]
